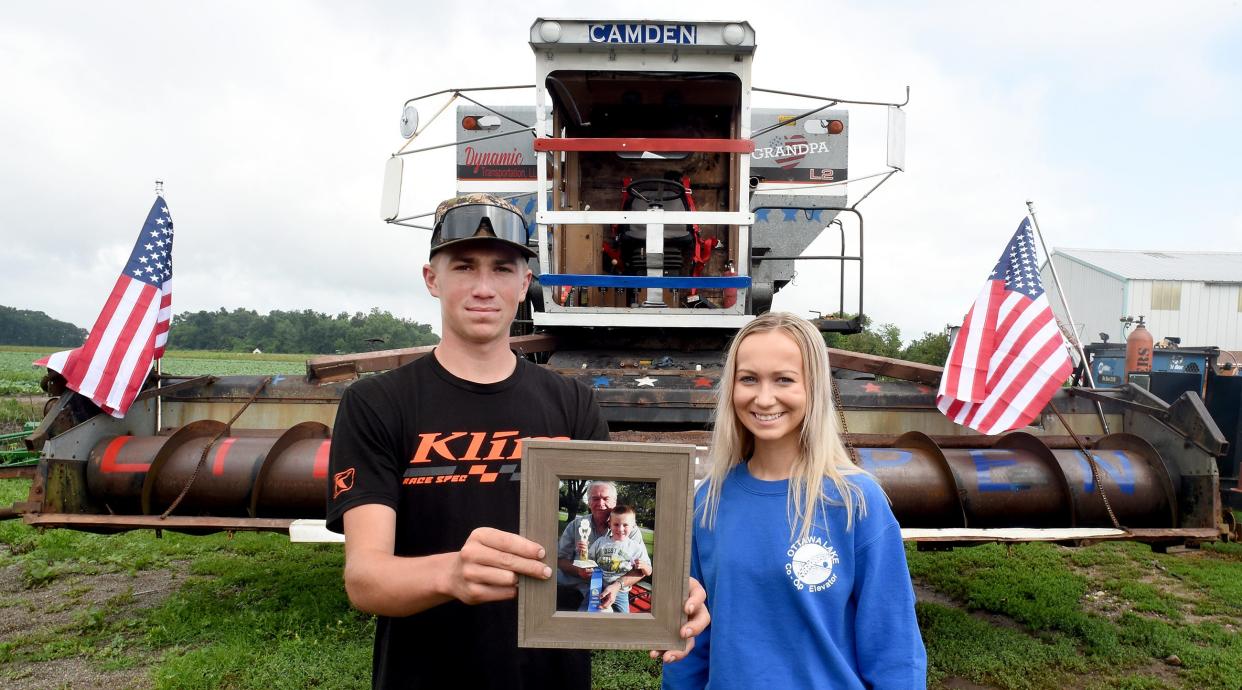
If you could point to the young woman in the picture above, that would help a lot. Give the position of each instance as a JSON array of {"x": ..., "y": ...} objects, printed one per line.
[{"x": 799, "y": 552}]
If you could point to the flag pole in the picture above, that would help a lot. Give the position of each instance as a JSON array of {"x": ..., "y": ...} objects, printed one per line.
[
  {"x": 1077, "y": 342},
  {"x": 159, "y": 369}
]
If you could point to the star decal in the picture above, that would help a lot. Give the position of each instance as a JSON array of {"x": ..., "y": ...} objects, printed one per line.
[
  {"x": 871, "y": 388},
  {"x": 702, "y": 382},
  {"x": 646, "y": 381}
]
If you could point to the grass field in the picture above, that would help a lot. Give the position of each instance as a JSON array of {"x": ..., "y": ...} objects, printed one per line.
[
  {"x": 19, "y": 377},
  {"x": 254, "y": 611}
]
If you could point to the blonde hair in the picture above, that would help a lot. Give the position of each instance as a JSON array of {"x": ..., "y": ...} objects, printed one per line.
[{"x": 820, "y": 450}]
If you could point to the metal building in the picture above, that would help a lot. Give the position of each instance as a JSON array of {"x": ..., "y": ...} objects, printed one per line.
[{"x": 1194, "y": 296}]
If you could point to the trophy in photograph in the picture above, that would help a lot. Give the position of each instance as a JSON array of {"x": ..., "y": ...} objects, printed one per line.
[{"x": 584, "y": 539}]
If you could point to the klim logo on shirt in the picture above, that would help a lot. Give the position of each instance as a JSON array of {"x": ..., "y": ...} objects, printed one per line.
[
  {"x": 457, "y": 456},
  {"x": 471, "y": 446}
]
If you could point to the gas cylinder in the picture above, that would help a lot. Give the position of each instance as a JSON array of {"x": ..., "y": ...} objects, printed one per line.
[
  {"x": 1138, "y": 350},
  {"x": 728, "y": 296}
]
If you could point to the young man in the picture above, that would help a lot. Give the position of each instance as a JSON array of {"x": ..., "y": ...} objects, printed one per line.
[{"x": 425, "y": 462}]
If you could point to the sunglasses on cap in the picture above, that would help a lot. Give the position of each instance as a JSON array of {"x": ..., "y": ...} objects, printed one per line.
[{"x": 472, "y": 221}]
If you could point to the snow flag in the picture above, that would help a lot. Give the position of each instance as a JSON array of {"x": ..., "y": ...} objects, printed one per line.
[
  {"x": 1009, "y": 357},
  {"x": 132, "y": 329}
]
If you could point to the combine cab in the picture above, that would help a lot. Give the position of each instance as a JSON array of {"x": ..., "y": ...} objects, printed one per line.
[{"x": 666, "y": 212}]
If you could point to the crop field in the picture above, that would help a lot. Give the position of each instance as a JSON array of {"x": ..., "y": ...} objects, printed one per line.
[
  {"x": 83, "y": 610},
  {"x": 19, "y": 377}
]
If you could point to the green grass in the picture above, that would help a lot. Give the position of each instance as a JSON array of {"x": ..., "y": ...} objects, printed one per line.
[
  {"x": 624, "y": 670},
  {"x": 14, "y": 413},
  {"x": 255, "y": 611},
  {"x": 1186, "y": 605},
  {"x": 19, "y": 377}
]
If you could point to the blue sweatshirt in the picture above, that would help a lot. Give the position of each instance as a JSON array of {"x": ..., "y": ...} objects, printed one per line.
[{"x": 834, "y": 610}]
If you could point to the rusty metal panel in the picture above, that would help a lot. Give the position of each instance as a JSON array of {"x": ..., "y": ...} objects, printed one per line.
[{"x": 260, "y": 415}]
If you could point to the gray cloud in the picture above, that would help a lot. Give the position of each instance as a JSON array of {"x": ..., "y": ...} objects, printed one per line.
[{"x": 270, "y": 123}]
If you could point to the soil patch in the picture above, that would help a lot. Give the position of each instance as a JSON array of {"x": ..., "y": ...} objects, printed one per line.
[{"x": 62, "y": 605}]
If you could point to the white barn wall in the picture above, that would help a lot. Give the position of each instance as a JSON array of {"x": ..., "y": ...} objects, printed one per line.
[
  {"x": 1222, "y": 316},
  {"x": 1095, "y": 297},
  {"x": 1207, "y": 315}
]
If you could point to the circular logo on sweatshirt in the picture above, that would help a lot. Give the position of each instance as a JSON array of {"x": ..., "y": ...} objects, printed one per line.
[{"x": 810, "y": 564}]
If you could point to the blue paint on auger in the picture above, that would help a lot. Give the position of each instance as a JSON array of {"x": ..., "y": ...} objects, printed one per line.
[
  {"x": 873, "y": 459},
  {"x": 1122, "y": 475},
  {"x": 988, "y": 460}
]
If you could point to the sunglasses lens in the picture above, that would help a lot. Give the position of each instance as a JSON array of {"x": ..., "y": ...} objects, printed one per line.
[{"x": 478, "y": 220}]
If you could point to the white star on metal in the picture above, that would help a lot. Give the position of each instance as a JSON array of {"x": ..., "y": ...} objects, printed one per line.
[{"x": 646, "y": 381}]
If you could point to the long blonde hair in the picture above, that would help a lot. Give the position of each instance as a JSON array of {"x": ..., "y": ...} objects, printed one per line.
[{"x": 820, "y": 450}]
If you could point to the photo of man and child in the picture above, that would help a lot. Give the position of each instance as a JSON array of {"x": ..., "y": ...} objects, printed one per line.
[{"x": 603, "y": 555}]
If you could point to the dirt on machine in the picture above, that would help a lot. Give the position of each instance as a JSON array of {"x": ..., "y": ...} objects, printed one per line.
[{"x": 665, "y": 212}]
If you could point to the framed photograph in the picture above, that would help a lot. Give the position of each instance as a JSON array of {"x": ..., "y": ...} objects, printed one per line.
[{"x": 614, "y": 519}]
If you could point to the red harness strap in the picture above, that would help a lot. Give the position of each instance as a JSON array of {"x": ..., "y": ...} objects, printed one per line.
[
  {"x": 702, "y": 247},
  {"x": 613, "y": 262}
]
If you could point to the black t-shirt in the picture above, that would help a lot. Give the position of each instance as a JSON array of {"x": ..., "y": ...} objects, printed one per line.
[{"x": 445, "y": 453}]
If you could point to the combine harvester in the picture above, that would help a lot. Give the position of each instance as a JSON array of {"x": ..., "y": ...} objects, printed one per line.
[{"x": 666, "y": 213}]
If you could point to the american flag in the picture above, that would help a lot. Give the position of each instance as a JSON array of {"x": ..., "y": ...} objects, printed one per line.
[
  {"x": 1009, "y": 357},
  {"x": 132, "y": 329}
]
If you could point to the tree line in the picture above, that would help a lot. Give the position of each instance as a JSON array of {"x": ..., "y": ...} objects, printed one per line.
[
  {"x": 26, "y": 327},
  {"x": 885, "y": 340},
  {"x": 306, "y": 331},
  {"x": 312, "y": 332}
]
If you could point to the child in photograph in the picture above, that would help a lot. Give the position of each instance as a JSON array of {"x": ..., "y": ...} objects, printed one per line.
[
  {"x": 617, "y": 555},
  {"x": 797, "y": 547}
]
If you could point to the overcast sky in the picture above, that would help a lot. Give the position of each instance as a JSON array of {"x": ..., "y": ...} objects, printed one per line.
[{"x": 270, "y": 123}]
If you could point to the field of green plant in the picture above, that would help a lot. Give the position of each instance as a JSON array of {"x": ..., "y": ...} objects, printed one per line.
[
  {"x": 255, "y": 611},
  {"x": 19, "y": 377}
]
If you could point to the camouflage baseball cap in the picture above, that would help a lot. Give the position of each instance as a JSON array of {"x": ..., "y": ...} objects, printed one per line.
[{"x": 476, "y": 217}]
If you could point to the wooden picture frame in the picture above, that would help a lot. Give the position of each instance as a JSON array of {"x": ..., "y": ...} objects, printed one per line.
[{"x": 545, "y": 463}]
